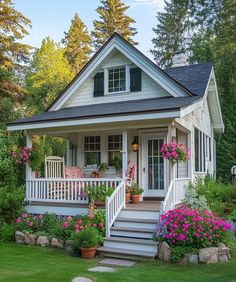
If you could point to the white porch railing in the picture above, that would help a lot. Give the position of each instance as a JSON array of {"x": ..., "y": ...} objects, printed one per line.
[
  {"x": 114, "y": 204},
  {"x": 64, "y": 189},
  {"x": 175, "y": 194}
]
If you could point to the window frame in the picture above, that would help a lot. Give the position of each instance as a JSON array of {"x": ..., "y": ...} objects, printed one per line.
[
  {"x": 113, "y": 142},
  {"x": 89, "y": 150}
]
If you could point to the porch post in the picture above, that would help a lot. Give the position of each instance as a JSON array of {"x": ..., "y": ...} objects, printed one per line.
[
  {"x": 28, "y": 170},
  {"x": 124, "y": 153}
]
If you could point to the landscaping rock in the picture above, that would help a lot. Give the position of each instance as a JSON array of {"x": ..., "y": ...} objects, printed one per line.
[
  {"x": 43, "y": 241},
  {"x": 189, "y": 259},
  {"x": 101, "y": 269},
  {"x": 208, "y": 255},
  {"x": 81, "y": 279},
  {"x": 224, "y": 254},
  {"x": 69, "y": 246},
  {"x": 164, "y": 251},
  {"x": 30, "y": 239},
  {"x": 56, "y": 243},
  {"x": 20, "y": 237},
  {"x": 117, "y": 262}
]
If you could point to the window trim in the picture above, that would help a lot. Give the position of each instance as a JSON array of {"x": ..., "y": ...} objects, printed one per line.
[
  {"x": 89, "y": 151},
  {"x": 127, "y": 80},
  {"x": 118, "y": 151}
]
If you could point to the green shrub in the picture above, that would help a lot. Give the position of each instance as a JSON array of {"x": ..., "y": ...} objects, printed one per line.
[
  {"x": 178, "y": 252},
  {"x": 136, "y": 189},
  {"x": 7, "y": 232},
  {"x": 221, "y": 198},
  {"x": 87, "y": 238},
  {"x": 100, "y": 192}
]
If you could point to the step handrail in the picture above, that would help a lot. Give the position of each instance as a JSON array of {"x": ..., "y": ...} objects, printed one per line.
[{"x": 114, "y": 204}]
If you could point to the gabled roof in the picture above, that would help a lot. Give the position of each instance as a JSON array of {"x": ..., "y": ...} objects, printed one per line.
[
  {"x": 175, "y": 88},
  {"x": 194, "y": 77},
  {"x": 110, "y": 109}
]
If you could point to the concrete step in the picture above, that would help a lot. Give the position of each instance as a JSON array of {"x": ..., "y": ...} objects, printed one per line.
[
  {"x": 135, "y": 223},
  {"x": 144, "y": 245},
  {"x": 141, "y": 233},
  {"x": 124, "y": 253},
  {"x": 139, "y": 213}
]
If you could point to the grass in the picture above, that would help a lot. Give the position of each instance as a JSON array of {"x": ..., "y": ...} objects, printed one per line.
[{"x": 34, "y": 264}]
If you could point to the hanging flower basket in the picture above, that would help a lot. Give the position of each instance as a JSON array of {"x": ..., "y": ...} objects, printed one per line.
[
  {"x": 175, "y": 152},
  {"x": 33, "y": 156}
]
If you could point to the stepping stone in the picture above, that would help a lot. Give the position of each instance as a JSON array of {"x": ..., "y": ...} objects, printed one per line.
[
  {"x": 81, "y": 279},
  {"x": 101, "y": 269},
  {"x": 117, "y": 262}
]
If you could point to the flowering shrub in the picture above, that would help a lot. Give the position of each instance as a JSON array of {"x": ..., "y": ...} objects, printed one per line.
[
  {"x": 175, "y": 152},
  {"x": 190, "y": 227},
  {"x": 24, "y": 155},
  {"x": 61, "y": 227}
]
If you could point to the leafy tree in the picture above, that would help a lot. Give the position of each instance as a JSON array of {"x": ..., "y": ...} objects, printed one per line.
[
  {"x": 13, "y": 57},
  {"x": 78, "y": 44},
  {"x": 49, "y": 73},
  {"x": 113, "y": 17},
  {"x": 172, "y": 31}
]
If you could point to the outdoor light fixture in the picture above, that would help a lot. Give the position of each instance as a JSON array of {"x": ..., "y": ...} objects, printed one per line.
[{"x": 135, "y": 144}]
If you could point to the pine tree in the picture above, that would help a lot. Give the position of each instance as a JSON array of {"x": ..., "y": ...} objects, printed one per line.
[
  {"x": 171, "y": 32},
  {"x": 78, "y": 44},
  {"x": 113, "y": 17},
  {"x": 13, "y": 58},
  {"x": 49, "y": 73}
]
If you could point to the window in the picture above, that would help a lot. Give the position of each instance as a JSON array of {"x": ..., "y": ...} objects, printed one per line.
[
  {"x": 196, "y": 141},
  {"x": 92, "y": 154},
  {"x": 114, "y": 148},
  {"x": 116, "y": 79},
  {"x": 202, "y": 150}
]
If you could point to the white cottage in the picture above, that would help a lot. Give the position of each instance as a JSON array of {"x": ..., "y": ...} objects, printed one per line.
[{"x": 120, "y": 96}]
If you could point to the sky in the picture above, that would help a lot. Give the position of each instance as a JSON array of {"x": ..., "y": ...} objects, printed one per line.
[{"x": 53, "y": 17}]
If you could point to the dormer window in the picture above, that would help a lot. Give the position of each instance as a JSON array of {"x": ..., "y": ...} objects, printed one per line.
[{"x": 116, "y": 80}]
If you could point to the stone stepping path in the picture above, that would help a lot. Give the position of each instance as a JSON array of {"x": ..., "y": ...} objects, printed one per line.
[
  {"x": 117, "y": 262},
  {"x": 101, "y": 269},
  {"x": 81, "y": 279}
]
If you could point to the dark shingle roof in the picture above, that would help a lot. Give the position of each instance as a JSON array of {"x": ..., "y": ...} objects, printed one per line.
[
  {"x": 193, "y": 77},
  {"x": 111, "y": 109}
]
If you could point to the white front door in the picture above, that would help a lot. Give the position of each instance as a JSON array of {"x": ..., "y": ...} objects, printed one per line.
[{"x": 153, "y": 165}]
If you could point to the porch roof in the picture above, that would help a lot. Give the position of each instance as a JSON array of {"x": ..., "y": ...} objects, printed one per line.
[{"x": 144, "y": 106}]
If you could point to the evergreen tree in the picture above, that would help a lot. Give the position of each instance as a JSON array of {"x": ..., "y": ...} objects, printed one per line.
[
  {"x": 113, "y": 17},
  {"x": 78, "y": 44},
  {"x": 172, "y": 31},
  {"x": 13, "y": 57},
  {"x": 49, "y": 73}
]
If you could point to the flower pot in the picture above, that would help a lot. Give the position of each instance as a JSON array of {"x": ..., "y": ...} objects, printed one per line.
[
  {"x": 127, "y": 197},
  {"x": 135, "y": 199},
  {"x": 99, "y": 202},
  {"x": 88, "y": 253}
]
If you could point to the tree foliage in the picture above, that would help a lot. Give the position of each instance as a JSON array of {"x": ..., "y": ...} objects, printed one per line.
[
  {"x": 49, "y": 73},
  {"x": 112, "y": 14},
  {"x": 78, "y": 44}
]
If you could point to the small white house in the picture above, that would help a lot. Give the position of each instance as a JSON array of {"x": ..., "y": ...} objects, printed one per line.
[{"x": 120, "y": 96}]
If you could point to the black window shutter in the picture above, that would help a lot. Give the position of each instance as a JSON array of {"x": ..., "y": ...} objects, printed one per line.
[
  {"x": 135, "y": 80},
  {"x": 98, "y": 84}
]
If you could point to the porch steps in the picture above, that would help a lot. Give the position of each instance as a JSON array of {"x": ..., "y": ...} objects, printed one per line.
[{"x": 131, "y": 235}]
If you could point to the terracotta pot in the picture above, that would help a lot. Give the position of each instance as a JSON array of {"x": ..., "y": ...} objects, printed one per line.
[
  {"x": 88, "y": 253},
  {"x": 127, "y": 197},
  {"x": 37, "y": 174},
  {"x": 99, "y": 202},
  {"x": 135, "y": 199}
]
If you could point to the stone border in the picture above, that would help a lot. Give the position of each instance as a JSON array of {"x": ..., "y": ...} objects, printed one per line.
[{"x": 204, "y": 255}]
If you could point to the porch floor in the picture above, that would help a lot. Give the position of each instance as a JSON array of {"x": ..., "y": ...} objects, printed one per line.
[{"x": 145, "y": 205}]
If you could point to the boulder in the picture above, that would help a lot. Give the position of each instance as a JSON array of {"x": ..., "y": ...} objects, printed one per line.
[
  {"x": 189, "y": 259},
  {"x": 223, "y": 253},
  {"x": 69, "y": 246},
  {"x": 164, "y": 251},
  {"x": 30, "y": 239},
  {"x": 55, "y": 243},
  {"x": 208, "y": 255},
  {"x": 43, "y": 241},
  {"x": 20, "y": 237}
]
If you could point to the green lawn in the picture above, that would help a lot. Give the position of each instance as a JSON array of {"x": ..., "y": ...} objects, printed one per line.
[{"x": 23, "y": 263}]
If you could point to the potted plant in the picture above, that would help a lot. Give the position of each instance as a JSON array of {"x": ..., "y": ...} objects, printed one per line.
[
  {"x": 87, "y": 241},
  {"x": 136, "y": 191},
  {"x": 98, "y": 194},
  {"x": 127, "y": 194},
  {"x": 102, "y": 168}
]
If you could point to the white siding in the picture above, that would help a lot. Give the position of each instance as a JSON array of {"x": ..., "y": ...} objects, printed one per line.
[
  {"x": 182, "y": 170},
  {"x": 84, "y": 94}
]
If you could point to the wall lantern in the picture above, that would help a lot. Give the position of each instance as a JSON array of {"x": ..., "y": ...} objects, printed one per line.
[{"x": 135, "y": 144}]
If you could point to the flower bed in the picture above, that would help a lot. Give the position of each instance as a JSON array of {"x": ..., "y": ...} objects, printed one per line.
[
  {"x": 192, "y": 229},
  {"x": 51, "y": 230}
]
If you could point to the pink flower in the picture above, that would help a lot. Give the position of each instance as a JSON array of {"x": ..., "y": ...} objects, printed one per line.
[
  {"x": 31, "y": 224},
  {"x": 69, "y": 218},
  {"x": 24, "y": 215},
  {"x": 66, "y": 225},
  {"x": 40, "y": 216},
  {"x": 94, "y": 225},
  {"x": 91, "y": 215},
  {"x": 79, "y": 221},
  {"x": 18, "y": 220},
  {"x": 81, "y": 227}
]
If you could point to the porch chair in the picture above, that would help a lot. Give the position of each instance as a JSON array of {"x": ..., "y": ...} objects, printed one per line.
[{"x": 54, "y": 167}]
